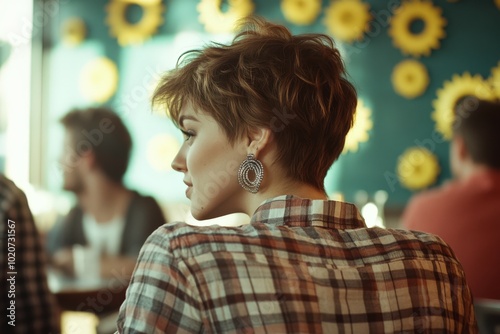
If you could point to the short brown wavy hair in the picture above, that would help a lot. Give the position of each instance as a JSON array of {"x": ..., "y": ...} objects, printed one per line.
[{"x": 293, "y": 85}]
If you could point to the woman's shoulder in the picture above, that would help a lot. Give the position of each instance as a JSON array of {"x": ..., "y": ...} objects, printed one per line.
[
  {"x": 181, "y": 229},
  {"x": 182, "y": 238},
  {"x": 418, "y": 244}
]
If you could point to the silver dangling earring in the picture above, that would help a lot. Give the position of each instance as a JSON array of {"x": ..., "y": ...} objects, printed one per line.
[{"x": 250, "y": 164}]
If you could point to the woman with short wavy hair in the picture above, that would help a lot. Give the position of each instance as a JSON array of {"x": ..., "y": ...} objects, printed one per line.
[{"x": 264, "y": 118}]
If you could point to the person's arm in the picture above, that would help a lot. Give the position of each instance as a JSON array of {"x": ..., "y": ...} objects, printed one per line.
[
  {"x": 143, "y": 219},
  {"x": 24, "y": 264},
  {"x": 161, "y": 297},
  {"x": 66, "y": 232},
  {"x": 122, "y": 266},
  {"x": 62, "y": 237}
]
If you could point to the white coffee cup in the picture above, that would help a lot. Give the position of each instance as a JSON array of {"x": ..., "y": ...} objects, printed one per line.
[{"x": 87, "y": 263}]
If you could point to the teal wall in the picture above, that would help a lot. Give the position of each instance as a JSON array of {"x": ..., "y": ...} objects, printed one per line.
[{"x": 472, "y": 44}]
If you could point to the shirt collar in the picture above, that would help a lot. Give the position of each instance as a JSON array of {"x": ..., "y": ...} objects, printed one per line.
[{"x": 291, "y": 210}]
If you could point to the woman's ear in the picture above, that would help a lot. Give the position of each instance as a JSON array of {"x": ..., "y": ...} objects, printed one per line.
[{"x": 258, "y": 139}]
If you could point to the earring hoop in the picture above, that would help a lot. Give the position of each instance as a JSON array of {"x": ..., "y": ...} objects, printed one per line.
[{"x": 250, "y": 164}]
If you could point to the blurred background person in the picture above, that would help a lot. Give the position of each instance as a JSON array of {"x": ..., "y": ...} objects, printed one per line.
[
  {"x": 35, "y": 308},
  {"x": 109, "y": 218},
  {"x": 466, "y": 212}
]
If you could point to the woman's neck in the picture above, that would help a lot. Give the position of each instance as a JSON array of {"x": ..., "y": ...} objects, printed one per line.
[{"x": 298, "y": 189}]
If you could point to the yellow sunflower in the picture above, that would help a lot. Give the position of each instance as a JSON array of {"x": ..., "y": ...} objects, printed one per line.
[
  {"x": 217, "y": 21},
  {"x": 417, "y": 168},
  {"x": 74, "y": 31},
  {"x": 359, "y": 131},
  {"x": 301, "y": 12},
  {"x": 410, "y": 78},
  {"x": 99, "y": 80},
  {"x": 495, "y": 79},
  {"x": 452, "y": 93},
  {"x": 128, "y": 33},
  {"x": 497, "y": 2},
  {"x": 348, "y": 20},
  {"x": 417, "y": 44},
  {"x": 161, "y": 150}
]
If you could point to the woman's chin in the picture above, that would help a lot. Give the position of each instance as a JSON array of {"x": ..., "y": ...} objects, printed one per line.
[
  {"x": 204, "y": 214},
  {"x": 199, "y": 213}
]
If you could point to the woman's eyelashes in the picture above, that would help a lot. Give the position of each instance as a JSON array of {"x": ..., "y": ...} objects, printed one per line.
[{"x": 188, "y": 134}]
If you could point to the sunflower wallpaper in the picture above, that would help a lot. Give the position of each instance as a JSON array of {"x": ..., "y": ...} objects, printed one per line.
[{"x": 411, "y": 62}]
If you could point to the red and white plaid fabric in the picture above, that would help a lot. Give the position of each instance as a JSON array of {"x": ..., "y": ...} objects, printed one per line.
[{"x": 300, "y": 266}]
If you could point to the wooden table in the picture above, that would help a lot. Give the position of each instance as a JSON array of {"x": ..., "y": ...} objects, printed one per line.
[{"x": 98, "y": 296}]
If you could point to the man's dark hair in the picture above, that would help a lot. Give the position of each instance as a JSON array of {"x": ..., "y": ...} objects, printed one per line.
[
  {"x": 478, "y": 123},
  {"x": 103, "y": 132}
]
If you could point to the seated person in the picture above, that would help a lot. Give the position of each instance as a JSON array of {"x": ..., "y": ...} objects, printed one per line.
[
  {"x": 279, "y": 107},
  {"x": 26, "y": 301},
  {"x": 108, "y": 217},
  {"x": 466, "y": 211}
]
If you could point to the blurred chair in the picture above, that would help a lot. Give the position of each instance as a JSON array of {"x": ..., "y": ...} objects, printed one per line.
[{"x": 488, "y": 315}]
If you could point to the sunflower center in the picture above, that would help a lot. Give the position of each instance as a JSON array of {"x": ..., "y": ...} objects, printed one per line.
[
  {"x": 224, "y": 6},
  {"x": 417, "y": 26},
  {"x": 347, "y": 18},
  {"x": 133, "y": 13}
]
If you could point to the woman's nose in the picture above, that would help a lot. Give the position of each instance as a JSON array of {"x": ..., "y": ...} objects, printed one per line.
[{"x": 179, "y": 162}]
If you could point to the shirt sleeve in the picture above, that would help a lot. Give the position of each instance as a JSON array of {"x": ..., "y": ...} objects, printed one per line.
[
  {"x": 35, "y": 306},
  {"x": 66, "y": 232},
  {"x": 160, "y": 298}
]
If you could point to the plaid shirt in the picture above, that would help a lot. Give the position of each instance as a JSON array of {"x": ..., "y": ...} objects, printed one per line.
[
  {"x": 35, "y": 307},
  {"x": 300, "y": 266}
]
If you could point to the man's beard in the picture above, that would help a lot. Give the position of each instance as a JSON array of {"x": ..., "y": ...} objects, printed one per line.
[{"x": 73, "y": 182}]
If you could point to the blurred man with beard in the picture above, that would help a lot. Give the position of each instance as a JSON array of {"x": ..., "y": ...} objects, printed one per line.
[{"x": 108, "y": 218}]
